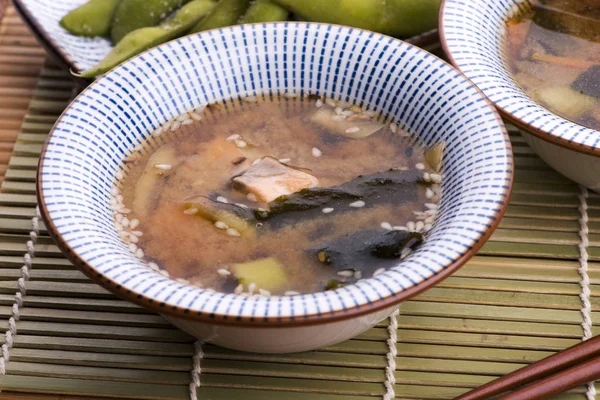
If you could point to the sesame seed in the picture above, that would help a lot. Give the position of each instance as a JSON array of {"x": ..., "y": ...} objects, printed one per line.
[
  {"x": 175, "y": 126},
  {"x": 199, "y": 109},
  {"x": 195, "y": 116},
  {"x": 124, "y": 210},
  {"x": 316, "y": 152},
  {"x": 222, "y": 199},
  {"x": 285, "y": 160},
  {"x": 157, "y": 132},
  {"x": 166, "y": 126},
  {"x": 250, "y": 99},
  {"x": 137, "y": 148},
  {"x": 113, "y": 201},
  {"x": 353, "y": 129},
  {"x": 153, "y": 266},
  {"x": 291, "y": 293},
  {"x": 119, "y": 175},
  {"x": 426, "y": 177},
  {"x": 346, "y": 273},
  {"x": 400, "y": 228},
  {"x": 163, "y": 167},
  {"x": 114, "y": 191},
  {"x": 387, "y": 226},
  {"x": 419, "y": 226},
  {"x": 133, "y": 248},
  {"x": 393, "y": 127},
  {"x": 264, "y": 292},
  {"x": 410, "y": 225},
  {"x": 164, "y": 273},
  {"x": 133, "y": 239},
  {"x": 191, "y": 211},
  {"x": 240, "y": 143},
  {"x": 290, "y": 95},
  {"x": 223, "y": 272},
  {"x": 436, "y": 178},
  {"x": 134, "y": 223},
  {"x": 338, "y": 110},
  {"x": 241, "y": 205},
  {"x": 119, "y": 217},
  {"x": 347, "y": 113},
  {"x": 251, "y": 197},
  {"x": 420, "y": 166},
  {"x": 379, "y": 271},
  {"x": 429, "y": 193},
  {"x": 319, "y": 103},
  {"x": 369, "y": 113},
  {"x": 187, "y": 121},
  {"x": 431, "y": 206},
  {"x": 183, "y": 116},
  {"x": 430, "y": 220},
  {"x": 251, "y": 287},
  {"x": 125, "y": 222},
  {"x": 431, "y": 212},
  {"x": 139, "y": 253},
  {"x": 427, "y": 227},
  {"x": 235, "y": 136},
  {"x": 233, "y": 232},
  {"x": 338, "y": 117},
  {"x": 358, "y": 274},
  {"x": 119, "y": 198},
  {"x": 357, "y": 204},
  {"x": 327, "y": 210},
  {"x": 221, "y": 225},
  {"x": 330, "y": 102},
  {"x": 137, "y": 233},
  {"x": 183, "y": 281}
]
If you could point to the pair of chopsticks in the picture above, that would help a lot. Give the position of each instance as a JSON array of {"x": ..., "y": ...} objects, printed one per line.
[{"x": 552, "y": 375}]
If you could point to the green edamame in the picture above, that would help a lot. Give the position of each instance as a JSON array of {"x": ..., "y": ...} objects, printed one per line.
[
  {"x": 393, "y": 17},
  {"x": 145, "y": 38},
  {"x": 226, "y": 13},
  {"x": 94, "y": 18},
  {"x": 264, "y": 11},
  {"x": 134, "y": 14}
]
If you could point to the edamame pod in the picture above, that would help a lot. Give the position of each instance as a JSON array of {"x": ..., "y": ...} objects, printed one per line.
[
  {"x": 393, "y": 17},
  {"x": 94, "y": 18},
  {"x": 264, "y": 11},
  {"x": 145, "y": 38},
  {"x": 134, "y": 14},
  {"x": 226, "y": 13}
]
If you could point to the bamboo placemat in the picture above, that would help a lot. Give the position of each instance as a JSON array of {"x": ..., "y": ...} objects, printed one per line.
[{"x": 516, "y": 302}]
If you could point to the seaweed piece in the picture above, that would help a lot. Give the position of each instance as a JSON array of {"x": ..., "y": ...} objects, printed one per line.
[{"x": 588, "y": 82}]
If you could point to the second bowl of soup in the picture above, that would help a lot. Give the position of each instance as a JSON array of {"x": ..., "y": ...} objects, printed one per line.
[
  {"x": 267, "y": 190},
  {"x": 539, "y": 62}
]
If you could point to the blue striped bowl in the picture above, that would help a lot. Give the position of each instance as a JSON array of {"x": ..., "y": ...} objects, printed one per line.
[
  {"x": 473, "y": 34},
  {"x": 423, "y": 94}
]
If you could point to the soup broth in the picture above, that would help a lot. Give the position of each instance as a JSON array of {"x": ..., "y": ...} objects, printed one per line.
[
  {"x": 277, "y": 196},
  {"x": 554, "y": 53}
]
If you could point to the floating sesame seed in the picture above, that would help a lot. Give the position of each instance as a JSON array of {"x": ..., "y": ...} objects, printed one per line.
[
  {"x": 153, "y": 266},
  {"x": 264, "y": 292},
  {"x": 139, "y": 253},
  {"x": 166, "y": 126},
  {"x": 175, "y": 126},
  {"x": 133, "y": 239},
  {"x": 285, "y": 160},
  {"x": 113, "y": 201},
  {"x": 119, "y": 198},
  {"x": 183, "y": 281},
  {"x": 119, "y": 175},
  {"x": 114, "y": 191},
  {"x": 137, "y": 147},
  {"x": 393, "y": 127},
  {"x": 240, "y": 143},
  {"x": 134, "y": 223},
  {"x": 221, "y": 225},
  {"x": 430, "y": 220},
  {"x": 429, "y": 193},
  {"x": 163, "y": 167},
  {"x": 338, "y": 110},
  {"x": 125, "y": 222},
  {"x": 387, "y": 226},
  {"x": 353, "y": 129},
  {"x": 222, "y": 199},
  {"x": 137, "y": 233},
  {"x": 188, "y": 121},
  {"x": 250, "y": 99},
  {"x": 319, "y": 103},
  {"x": 251, "y": 287},
  {"x": 238, "y": 289},
  {"x": 369, "y": 113},
  {"x": 379, "y": 271},
  {"x": 426, "y": 177},
  {"x": 338, "y": 117},
  {"x": 400, "y": 228},
  {"x": 199, "y": 109},
  {"x": 353, "y": 117},
  {"x": 223, "y": 272},
  {"x": 124, "y": 210},
  {"x": 251, "y": 197},
  {"x": 133, "y": 248},
  {"x": 191, "y": 211},
  {"x": 233, "y": 232},
  {"x": 358, "y": 274},
  {"x": 290, "y": 95},
  {"x": 420, "y": 166},
  {"x": 119, "y": 217},
  {"x": 431, "y": 212},
  {"x": 411, "y": 226},
  {"x": 347, "y": 113},
  {"x": 436, "y": 178},
  {"x": 183, "y": 116},
  {"x": 327, "y": 210},
  {"x": 235, "y": 136},
  {"x": 346, "y": 273},
  {"x": 419, "y": 226},
  {"x": 157, "y": 132},
  {"x": 291, "y": 293},
  {"x": 164, "y": 272},
  {"x": 357, "y": 204},
  {"x": 427, "y": 227},
  {"x": 431, "y": 206},
  {"x": 241, "y": 205},
  {"x": 316, "y": 152},
  {"x": 330, "y": 102}
]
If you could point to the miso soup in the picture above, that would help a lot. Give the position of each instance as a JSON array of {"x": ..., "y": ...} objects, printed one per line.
[{"x": 280, "y": 195}]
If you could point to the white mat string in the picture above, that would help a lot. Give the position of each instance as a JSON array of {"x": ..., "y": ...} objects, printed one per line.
[
  {"x": 196, "y": 369},
  {"x": 390, "y": 369}
]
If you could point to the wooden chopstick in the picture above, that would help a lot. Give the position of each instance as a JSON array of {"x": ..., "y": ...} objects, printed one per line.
[{"x": 581, "y": 361}]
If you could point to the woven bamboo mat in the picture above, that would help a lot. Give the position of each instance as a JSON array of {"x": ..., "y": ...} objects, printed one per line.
[{"x": 516, "y": 302}]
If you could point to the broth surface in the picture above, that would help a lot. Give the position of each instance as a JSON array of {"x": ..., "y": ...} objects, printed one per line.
[{"x": 335, "y": 227}]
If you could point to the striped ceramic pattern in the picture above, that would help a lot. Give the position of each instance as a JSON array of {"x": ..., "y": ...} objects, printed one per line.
[
  {"x": 474, "y": 31},
  {"x": 80, "y": 53},
  {"x": 119, "y": 110}
]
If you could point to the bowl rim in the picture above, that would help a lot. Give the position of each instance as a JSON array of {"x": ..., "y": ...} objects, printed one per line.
[
  {"x": 285, "y": 321},
  {"x": 520, "y": 123}
]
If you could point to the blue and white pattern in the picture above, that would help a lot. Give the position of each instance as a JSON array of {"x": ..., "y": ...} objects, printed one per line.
[
  {"x": 475, "y": 36},
  {"x": 117, "y": 112},
  {"x": 79, "y": 53}
]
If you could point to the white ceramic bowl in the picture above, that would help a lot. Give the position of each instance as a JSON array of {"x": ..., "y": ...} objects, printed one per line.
[
  {"x": 426, "y": 96},
  {"x": 473, "y": 34}
]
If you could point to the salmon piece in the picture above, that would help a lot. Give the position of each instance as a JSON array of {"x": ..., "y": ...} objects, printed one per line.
[{"x": 269, "y": 179}]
